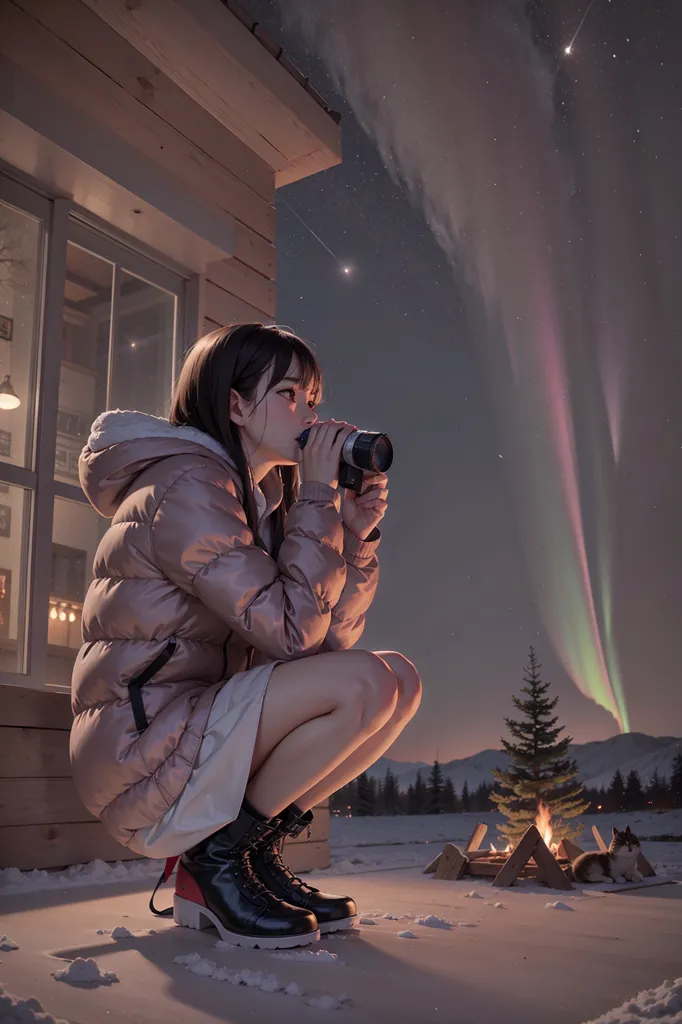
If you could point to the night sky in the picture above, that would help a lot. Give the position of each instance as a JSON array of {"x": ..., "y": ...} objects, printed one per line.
[{"x": 513, "y": 217}]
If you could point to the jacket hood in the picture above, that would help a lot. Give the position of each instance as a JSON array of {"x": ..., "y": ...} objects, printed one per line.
[{"x": 122, "y": 444}]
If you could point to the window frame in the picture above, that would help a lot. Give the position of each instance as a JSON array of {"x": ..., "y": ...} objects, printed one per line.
[{"x": 63, "y": 223}]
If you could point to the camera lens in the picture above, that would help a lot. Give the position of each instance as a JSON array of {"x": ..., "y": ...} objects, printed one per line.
[
  {"x": 368, "y": 450},
  {"x": 363, "y": 449}
]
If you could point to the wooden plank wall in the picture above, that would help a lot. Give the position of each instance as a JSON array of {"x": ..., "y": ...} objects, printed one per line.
[
  {"x": 75, "y": 53},
  {"x": 43, "y": 823}
]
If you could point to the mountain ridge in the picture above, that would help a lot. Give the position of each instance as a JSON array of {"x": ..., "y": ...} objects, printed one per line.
[{"x": 597, "y": 762}]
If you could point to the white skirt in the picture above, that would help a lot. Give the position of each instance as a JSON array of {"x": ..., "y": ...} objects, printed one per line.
[{"x": 214, "y": 792}]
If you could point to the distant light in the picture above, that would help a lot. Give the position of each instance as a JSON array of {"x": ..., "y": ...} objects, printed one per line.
[
  {"x": 347, "y": 269},
  {"x": 568, "y": 51}
]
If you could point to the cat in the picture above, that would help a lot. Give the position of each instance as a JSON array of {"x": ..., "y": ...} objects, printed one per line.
[{"x": 618, "y": 864}]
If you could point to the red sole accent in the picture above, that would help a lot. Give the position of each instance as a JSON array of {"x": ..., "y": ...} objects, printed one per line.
[{"x": 187, "y": 887}]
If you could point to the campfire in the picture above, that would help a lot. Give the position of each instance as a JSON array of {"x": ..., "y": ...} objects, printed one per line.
[
  {"x": 536, "y": 856},
  {"x": 543, "y": 824}
]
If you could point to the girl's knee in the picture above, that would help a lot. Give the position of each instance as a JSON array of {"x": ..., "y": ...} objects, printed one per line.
[
  {"x": 373, "y": 689},
  {"x": 409, "y": 682}
]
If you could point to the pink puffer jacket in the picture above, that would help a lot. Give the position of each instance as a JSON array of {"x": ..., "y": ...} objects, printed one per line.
[{"x": 180, "y": 587}]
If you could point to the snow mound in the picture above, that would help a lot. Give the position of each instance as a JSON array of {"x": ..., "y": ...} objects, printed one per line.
[
  {"x": 24, "y": 1011},
  {"x": 6, "y": 944},
  {"x": 558, "y": 905},
  {"x": 407, "y": 934},
  {"x": 121, "y": 933},
  {"x": 263, "y": 980},
  {"x": 473, "y": 895},
  {"x": 497, "y": 906},
  {"x": 367, "y": 920},
  {"x": 466, "y": 924},
  {"x": 329, "y": 1002},
  {"x": 662, "y": 1004},
  {"x": 434, "y": 922},
  {"x": 84, "y": 972},
  {"x": 311, "y": 956},
  {"x": 95, "y": 872}
]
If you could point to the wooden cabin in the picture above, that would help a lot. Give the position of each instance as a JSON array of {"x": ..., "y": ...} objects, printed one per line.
[{"x": 140, "y": 148}]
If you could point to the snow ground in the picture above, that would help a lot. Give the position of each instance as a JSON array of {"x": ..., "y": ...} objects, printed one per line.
[{"x": 432, "y": 952}]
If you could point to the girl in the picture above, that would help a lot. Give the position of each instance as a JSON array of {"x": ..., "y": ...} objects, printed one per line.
[{"x": 215, "y": 698}]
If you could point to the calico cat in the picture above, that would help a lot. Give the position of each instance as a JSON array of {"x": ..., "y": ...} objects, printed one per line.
[{"x": 618, "y": 864}]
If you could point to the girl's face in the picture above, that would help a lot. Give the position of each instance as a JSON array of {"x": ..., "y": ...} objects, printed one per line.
[{"x": 273, "y": 421}]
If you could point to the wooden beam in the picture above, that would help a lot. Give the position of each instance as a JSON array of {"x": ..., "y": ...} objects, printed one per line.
[
  {"x": 477, "y": 837},
  {"x": 206, "y": 50},
  {"x": 59, "y": 845},
  {"x": 549, "y": 870},
  {"x": 432, "y": 865},
  {"x": 221, "y": 308},
  {"x": 34, "y": 753},
  {"x": 246, "y": 284},
  {"x": 254, "y": 251},
  {"x": 519, "y": 857},
  {"x": 568, "y": 850},
  {"x": 40, "y": 802},
  {"x": 452, "y": 864},
  {"x": 600, "y": 842},
  {"x": 40, "y": 709},
  {"x": 79, "y": 27},
  {"x": 27, "y": 43}
]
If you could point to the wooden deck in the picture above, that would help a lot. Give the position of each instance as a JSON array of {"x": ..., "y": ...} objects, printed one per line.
[{"x": 43, "y": 823}]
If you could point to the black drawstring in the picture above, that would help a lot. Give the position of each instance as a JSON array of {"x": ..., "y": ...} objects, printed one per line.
[{"x": 135, "y": 686}]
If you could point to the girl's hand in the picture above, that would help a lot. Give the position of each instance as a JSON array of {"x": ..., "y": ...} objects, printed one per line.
[
  {"x": 362, "y": 512},
  {"x": 321, "y": 457}
]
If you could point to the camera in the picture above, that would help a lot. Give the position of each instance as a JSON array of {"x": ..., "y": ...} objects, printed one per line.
[{"x": 363, "y": 450}]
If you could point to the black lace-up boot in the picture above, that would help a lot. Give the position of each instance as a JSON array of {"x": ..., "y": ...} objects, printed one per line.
[
  {"x": 332, "y": 912},
  {"x": 217, "y": 886}
]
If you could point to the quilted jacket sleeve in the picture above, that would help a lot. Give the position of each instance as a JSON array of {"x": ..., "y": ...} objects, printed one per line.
[
  {"x": 201, "y": 541},
  {"x": 362, "y": 576}
]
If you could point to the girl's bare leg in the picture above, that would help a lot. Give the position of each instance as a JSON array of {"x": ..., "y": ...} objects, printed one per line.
[
  {"x": 409, "y": 697},
  {"x": 316, "y": 712}
]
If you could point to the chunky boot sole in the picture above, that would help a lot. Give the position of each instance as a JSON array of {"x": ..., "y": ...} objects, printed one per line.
[
  {"x": 337, "y": 926},
  {"x": 192, "y": 915}
]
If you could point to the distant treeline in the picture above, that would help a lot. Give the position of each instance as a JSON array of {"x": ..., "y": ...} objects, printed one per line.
[{"x": 433, "y": 795}]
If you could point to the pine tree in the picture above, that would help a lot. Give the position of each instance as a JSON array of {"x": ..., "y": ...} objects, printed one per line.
[
  {"x": 410, "y": 801},
  {"x": 633, "y": 797},
  {"x": 616, "y": 793},
  {"x": 675, "y": 785},
  {"x": 366, "y": 797},
  {"x": 466, "y": 799},
  {"x": 656, "y": 792},
  {"x": 434, "y": 802},
  {"x": 449, "y": 797},
  {"x": 391, "y": 794},
  {"x": 420, "y": 794},
  {"x": 540, "y": 768}
]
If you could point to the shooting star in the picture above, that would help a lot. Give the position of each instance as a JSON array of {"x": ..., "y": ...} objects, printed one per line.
[
  {"x": 568, "y": 50},
  {"x": 345, "y": 268}
]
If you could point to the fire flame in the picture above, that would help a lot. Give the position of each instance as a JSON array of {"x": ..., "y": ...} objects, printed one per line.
[{"x": 542, "y": 822}]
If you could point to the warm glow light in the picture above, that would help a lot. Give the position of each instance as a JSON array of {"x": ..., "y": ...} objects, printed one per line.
[
  {"x": 568, "y": 50},
  {"x": 9, "y": 402},
  {"x": 53, "y": 613},
  {"x": 62, "y": 616},
  {"x": 542, "y": 822},
  {"x": 72, "y": 617}
]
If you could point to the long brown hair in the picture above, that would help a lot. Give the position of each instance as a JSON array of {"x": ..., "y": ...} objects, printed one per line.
[{"x": 236, "y": 358}]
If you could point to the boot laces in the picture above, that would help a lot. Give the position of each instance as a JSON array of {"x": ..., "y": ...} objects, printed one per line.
[
  {"x": 278, "y": 863},
  {"x": 250, "y": 880}
]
